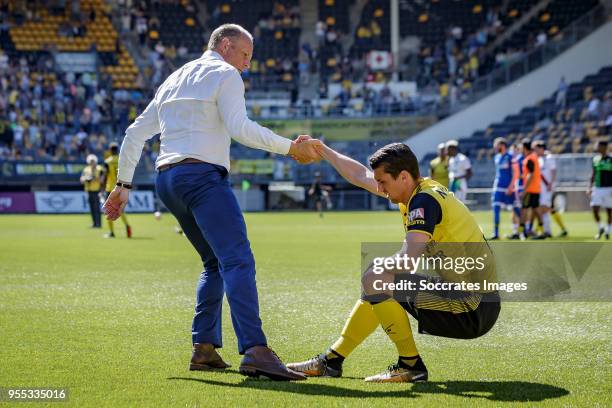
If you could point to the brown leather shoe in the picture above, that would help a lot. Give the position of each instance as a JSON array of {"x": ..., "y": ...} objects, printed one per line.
[
  {"x": 205, "y": 357},
  {"x": 262, "y": 361}
]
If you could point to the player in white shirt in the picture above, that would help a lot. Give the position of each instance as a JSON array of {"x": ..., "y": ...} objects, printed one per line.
[
  {"x": 548, "y": 171},
  {"x": 459, "y": 170}
]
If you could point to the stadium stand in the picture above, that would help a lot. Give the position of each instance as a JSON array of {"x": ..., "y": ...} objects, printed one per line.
[
  {"x": 51, "y": 115},
  {"x": 455, "y": 35},
  {"x": 276, "y": 28},
  {"x": 569, "y": 121},
  {"x": 332, "y": 26},
  {"x": 176, "y": 25},
  {"x": 82, "y": 27},
  {"x": 537, "y": 31},
  {"x": 373, "y": 31}
]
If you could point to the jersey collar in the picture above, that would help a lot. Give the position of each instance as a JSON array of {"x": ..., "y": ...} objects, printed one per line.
[{"x": 417, "y": 189}]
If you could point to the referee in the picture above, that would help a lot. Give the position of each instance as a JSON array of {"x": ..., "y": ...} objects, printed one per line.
[{"x": 434, "y": 220}]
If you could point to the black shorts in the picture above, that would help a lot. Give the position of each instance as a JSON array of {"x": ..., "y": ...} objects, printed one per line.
[
  {"x": 449, "y": 313},
  {"x": 531, "y": 200}
]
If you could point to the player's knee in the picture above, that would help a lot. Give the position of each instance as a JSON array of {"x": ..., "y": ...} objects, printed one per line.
[
  {"x": 245, "y": 263},
  {"x": 368, "y": 283},
  {"x": 211, "y": 265}
]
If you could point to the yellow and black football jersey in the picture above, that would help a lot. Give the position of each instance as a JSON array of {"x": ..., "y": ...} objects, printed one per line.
[
  {"x": 453, "y": 231},
  {"x": 434, "y": 210}
]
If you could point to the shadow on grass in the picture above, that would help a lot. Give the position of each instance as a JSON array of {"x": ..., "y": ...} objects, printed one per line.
[{"x": 510, "y": 391}]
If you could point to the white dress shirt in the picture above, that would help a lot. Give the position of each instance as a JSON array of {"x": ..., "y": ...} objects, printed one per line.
[{"x": 197, "y": 110}]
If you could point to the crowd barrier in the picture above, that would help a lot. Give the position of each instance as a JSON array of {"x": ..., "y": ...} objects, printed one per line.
[{"x": 66, "y": 202}]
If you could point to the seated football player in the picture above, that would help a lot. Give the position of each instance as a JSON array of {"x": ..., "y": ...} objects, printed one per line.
[{"x": 434, "y": 221}]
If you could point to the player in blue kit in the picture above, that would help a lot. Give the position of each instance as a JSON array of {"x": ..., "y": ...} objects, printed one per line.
[
  {"x": 516, "y": 187},
  {"x": 503, "y": 193}
]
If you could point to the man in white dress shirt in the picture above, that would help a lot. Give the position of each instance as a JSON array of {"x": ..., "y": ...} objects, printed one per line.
[
  {"x": 459, "y": 170},
  {"x": 197, "y": 110}
]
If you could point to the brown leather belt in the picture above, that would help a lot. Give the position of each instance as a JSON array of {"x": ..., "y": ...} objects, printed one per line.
[{"x": 188, "y": 160}]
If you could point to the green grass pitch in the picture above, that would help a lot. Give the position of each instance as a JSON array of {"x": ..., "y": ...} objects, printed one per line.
[{"x": 110, "y": 320}]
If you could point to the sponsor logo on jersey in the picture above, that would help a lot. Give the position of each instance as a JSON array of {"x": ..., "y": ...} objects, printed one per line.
[{"x": 416, "y": 214}]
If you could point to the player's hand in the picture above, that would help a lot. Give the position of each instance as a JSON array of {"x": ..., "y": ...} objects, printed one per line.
[
  {"x": 589, "y": 192},
  {"x": 302, "y": 138},
  {"x": 318, "y": 146},
  {"x": 115, "y": 203},
  {"x": 298, "y": 140},
  {"x": 304, "y": 152}
]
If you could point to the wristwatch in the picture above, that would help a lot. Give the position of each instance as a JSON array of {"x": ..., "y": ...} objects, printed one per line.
[{"x": 124, "y": 185}]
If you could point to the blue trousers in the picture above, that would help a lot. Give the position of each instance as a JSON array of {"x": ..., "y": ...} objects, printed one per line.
[{"x": 200, "y": 197}]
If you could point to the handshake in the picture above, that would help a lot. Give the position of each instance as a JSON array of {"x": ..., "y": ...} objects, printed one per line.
[{"x": 306, "y": 150}]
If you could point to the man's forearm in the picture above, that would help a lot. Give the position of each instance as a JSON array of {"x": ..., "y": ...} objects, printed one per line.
[
  {"x": 129, "y": 157},
  {"x": 353, "y": 171},
  {"x": 144, "y": 127}
]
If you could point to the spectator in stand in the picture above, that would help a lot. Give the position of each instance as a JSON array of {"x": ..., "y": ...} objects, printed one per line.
[
  {"x": 141, "y": 28},
  {"x": 541, "y": 38},
  {"x": 561, "y": 99},
  {"x": 593, "y": 111},
  {"x": 320, "y": 30}
]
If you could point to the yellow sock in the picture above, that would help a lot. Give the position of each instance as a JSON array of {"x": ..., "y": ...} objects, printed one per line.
[
  {"x": 557, "y": 217},
  {"x": 111, "y": 227},
  {"x": 361, "y": 323},
  {"x": 395, "y": 323},
  {"x": 124, "y": 219}
]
